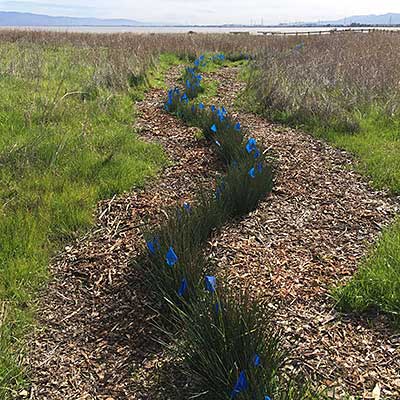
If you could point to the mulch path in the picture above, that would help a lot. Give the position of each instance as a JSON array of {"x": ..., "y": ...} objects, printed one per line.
[
  {"x": 304, "y": 240},
  {"x": 95, "y": 322},
  {"x": 95, "y": 325}
]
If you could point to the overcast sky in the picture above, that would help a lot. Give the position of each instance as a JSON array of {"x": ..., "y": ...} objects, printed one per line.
[{"x": 206, "y": 11}]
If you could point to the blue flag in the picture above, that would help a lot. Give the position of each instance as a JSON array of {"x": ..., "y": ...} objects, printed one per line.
[
  {"x": 151, "y": 247},
  {"x": 184, "y": 98},
  {"x": 241, "y": 385},
  {"x": 182, "y": 289},
  {"x": 251, "y": 145},
  {"x": 211, "y": 283},
  {"x": 252, "y": 173},
  {"x": 171, "y": 257},
  {"x": 214, "y": 128}
]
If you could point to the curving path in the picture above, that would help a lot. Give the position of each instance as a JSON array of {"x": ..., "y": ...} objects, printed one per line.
[
  {"x": 304, "y": 240},
  {"x": 307, "y": 237}
]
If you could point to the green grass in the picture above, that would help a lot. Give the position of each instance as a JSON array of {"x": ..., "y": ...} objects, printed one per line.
[
  {"x": 376, "y": 286},
  {"x": 59, "y": 155},
  {"x": 376, "y": 147}
]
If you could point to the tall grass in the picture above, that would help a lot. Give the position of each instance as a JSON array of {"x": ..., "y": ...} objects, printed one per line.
[
  {"x": 329, "y": 81},
  {"x": 142, "y": 46},
  {"x": 228, "y": 352},
  {"x": 224, "y": 335},
  {"x": 344, "y": 88},
  {"x": 66, "y": 141}
]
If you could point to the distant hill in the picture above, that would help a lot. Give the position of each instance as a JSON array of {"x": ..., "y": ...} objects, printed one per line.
[
  {"x": 27, "y": 19},
  {"x": 385, "y": 19}
]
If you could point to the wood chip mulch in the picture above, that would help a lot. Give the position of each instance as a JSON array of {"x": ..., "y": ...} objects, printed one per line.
[
  {"x": 304, "y": 240},
  {"x": 95, "y": 325}
]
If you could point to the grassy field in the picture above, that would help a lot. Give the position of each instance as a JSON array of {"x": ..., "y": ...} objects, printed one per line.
[
  {"x": 66, "y": 141},
  {"x": 344, "y": 88}
]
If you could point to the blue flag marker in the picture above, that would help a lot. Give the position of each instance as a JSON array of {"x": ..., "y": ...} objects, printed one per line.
[
  {"x": 211, "y": 283},
  {"x": 252, "y": 173},
  {"x": 171, "y": 257},
  {"x": 213, "y": 108},
  {"x": 182, "y": 289},
  {"x": 184, "y": 98},
  {"x": 214, "y": 128},
  {"x": 201, "y": 106},
  {"x": 151, "y": 247},
  {"x": 241, "y": 385},
  {"x": 251, "y": 145},
  {"x": 256, "y": 360},
  {"x": 237, "y": 126}
]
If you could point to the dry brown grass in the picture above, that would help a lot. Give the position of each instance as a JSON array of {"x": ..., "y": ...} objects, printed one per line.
[{"x": 329, "y": 79}]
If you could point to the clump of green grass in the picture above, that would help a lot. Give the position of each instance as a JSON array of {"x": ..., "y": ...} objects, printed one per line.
[
  {"x": 224, "y": 335},
  {"x": 66, "y": 141},
  {"x": 185, "y": 232},
  {"x": 376, "y": 286}
]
